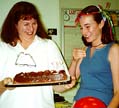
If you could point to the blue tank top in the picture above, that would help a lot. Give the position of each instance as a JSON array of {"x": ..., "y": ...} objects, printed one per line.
[{"x": 96, "y": 77}]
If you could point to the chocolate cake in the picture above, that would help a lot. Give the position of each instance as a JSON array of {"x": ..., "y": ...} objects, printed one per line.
[{"x": 41, "y": 76}]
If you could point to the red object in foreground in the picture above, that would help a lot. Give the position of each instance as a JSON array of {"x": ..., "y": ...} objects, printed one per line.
[{"x": 89, "y": 102}]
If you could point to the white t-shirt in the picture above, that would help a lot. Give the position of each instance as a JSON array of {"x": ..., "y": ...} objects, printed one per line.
[{"x": 40, "y": 55}]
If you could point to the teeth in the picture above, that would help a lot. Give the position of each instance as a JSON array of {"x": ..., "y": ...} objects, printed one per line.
[
  {"x": 86, "y": 36},
  {"x": 29, "y": 33}
]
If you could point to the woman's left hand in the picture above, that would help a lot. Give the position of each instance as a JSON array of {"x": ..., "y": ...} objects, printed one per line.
[{"x": 6, "y": 81}]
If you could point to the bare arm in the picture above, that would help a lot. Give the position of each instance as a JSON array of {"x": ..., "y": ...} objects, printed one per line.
[
  {"x": 114, "y": 61},
  {"x": 2, "y": 85},
  {"x": 78, "y": 55}
]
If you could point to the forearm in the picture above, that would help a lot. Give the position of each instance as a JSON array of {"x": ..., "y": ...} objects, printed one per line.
[
  {"x": 59, "y": 88},
  {"x": 77, "y": 56},
  {"x": 2, "y": 87},
  {"x": 115, "y": 101},
  {"x": 72, "y": 68}
]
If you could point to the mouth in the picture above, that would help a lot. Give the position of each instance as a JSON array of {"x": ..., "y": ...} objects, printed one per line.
[
  {"x": 87, "y": 38},
  {"x": 29, "y": 33}
]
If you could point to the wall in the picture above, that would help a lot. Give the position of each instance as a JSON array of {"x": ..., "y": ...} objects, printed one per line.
[
  {"x": 83, "y": 3},
  {"x": 70, "y": 35},
  {"x": 51, "y": 15},
  {"x": 49, "y": 10}
]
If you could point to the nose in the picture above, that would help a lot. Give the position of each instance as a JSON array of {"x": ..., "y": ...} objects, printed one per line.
[{"x": 31, "y": 28}]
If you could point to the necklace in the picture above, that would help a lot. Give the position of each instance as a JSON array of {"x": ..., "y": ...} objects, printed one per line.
[{"x": 97, "y": 45}]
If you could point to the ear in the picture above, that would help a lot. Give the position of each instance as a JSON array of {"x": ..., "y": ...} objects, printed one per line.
[{"x": 101, "y": 24}]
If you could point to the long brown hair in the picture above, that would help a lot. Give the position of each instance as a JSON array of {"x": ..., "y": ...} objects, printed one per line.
[
  {"x": 21, "y": 10},
  {"x": 107, "y": 34}
]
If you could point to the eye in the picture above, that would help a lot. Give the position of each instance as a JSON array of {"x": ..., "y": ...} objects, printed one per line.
[
  {"x": 35, "y": 23},
  {"x": 26, "y": 24},
  {"x": 87, "y": 27},
  {"x": 81, "y": 28}
]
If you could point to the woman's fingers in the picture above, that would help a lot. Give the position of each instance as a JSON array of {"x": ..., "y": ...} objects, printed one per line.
[
  {"x": 78, "y": 53},
  {"x": 7, "y": 80}
]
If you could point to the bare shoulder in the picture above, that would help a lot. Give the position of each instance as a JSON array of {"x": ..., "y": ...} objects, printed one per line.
[
  {"x": 114, "y": 48},
  {"x": 114, "y": 51}
]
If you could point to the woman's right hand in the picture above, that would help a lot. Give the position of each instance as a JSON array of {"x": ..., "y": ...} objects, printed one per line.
[{"x": 78, "y": 53}]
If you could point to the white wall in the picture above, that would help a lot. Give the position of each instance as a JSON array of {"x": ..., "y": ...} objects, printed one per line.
[{"x": 49, "y": 10}]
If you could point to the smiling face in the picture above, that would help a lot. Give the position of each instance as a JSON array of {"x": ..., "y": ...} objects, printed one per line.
[
  {"x": 90, "y": 29},
  {"x": 27, "y": 29}
]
